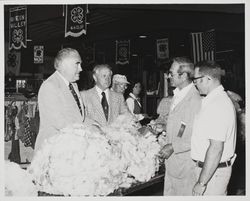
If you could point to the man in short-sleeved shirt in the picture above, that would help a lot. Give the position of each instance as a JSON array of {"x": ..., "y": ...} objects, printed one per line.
[{"x": 214, "y": 133}]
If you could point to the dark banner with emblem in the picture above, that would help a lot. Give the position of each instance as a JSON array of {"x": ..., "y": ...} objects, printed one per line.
[
  {"x": 17, "y": 27},
  {"x": 75, "y": 20},
  {"x": 12, "y": 61},
  {"x": 122, "y": 52}
]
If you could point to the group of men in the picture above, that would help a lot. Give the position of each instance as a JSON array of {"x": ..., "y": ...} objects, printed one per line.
[
  {"x": 201, "y": 132},
  {"x": 61, "y": 104}
]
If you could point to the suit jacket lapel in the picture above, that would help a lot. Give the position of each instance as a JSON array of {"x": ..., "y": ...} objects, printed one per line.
[
  {"x": 184, "y": 100},
  {"x": 68, "y": 95},
  {"x": 97, "y": 103},
  {"x": 110, "y": 105}
]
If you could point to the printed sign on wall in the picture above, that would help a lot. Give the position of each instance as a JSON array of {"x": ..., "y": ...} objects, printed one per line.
[
  {"x": 38, "y": 54},
  {"x": 162, "y": 48}
]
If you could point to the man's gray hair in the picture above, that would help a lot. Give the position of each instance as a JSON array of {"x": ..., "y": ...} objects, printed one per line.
[
  {"x": 185, "y": 66},
  {"x": 63, "y": 53},
  {"x": 98, "y": 67}
]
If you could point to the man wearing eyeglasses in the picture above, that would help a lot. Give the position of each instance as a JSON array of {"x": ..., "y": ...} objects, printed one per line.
[
  {"x": 179, "y": 174},
  {"x": 119, "y": 83},
  {"x": 214, "y": 133}
]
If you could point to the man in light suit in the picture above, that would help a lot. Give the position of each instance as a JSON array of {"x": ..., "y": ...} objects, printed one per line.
[
  {"x": 102, "y": 104},
  {"x": 179, "y": 175},
  {"x": 59, "y": 104}
]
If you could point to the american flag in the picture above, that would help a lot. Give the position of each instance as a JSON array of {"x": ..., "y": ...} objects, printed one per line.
[{"x": 203, "y": 45}]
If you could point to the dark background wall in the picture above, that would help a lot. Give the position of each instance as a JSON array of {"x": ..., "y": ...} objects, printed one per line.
[{"x": 112, "y": 22}]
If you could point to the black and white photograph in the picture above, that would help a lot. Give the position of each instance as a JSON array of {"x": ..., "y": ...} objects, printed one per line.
[{"x": 132, "y": 98}]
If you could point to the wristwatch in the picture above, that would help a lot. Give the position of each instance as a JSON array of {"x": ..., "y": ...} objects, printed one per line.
[{"x": 202, "y": 184}]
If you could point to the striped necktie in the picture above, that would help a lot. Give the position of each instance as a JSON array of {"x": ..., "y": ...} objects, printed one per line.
[
  {"x": 105, "y": 105},
  {"x": 75, "y": 97}
]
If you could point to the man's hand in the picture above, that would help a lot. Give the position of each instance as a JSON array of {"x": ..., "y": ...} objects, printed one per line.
[
  {"x": 157, "y": 128},
  {"x": 166, "y": 151},
  {"x": 198, "y": 189}
]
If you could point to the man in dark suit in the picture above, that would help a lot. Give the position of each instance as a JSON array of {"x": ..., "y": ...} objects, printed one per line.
[
  {"x": 102, "y": 104},
  {"x": 59, "y": 99}
]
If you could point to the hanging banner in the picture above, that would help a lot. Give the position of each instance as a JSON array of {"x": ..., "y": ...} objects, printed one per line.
[
  {"x": 162, "y": 48},
  {"x": 122, "y": 52},
  {"x": 12, "y": 61},
  {"x": 38, "y": 54},
  {"x": 17, "y": 27},
  {"x": 75, "y": 20}
]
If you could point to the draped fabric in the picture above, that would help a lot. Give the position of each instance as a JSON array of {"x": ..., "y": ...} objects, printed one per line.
[
  {"x": 24, "y": 132},
  {"x": 10, "y": 130},
  {"x": 21, "y": 128},
  {"x": 10, "y": 114}
]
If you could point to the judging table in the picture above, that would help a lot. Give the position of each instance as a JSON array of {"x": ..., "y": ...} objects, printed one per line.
[{"x": 159, "y": 177}]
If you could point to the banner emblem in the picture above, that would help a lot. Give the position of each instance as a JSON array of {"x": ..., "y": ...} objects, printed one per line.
[
  {"x": 13, "y": 61},
  {"x": 75, "y": 20},
  {"x": 122, "y": 52},
  {"x": 17, "y": 27}
]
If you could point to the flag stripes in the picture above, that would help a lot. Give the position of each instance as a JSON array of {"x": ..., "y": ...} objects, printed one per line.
[{"x": 203, "y": 46}]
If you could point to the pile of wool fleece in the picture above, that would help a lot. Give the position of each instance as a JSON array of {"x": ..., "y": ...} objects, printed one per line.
[
  {"x": 87, "y": 160},
  {"x": 18, "y": 182}
]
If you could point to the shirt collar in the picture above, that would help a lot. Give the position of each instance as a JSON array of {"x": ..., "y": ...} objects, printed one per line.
[
  {"x": 63, "y": 78},
  {"x": 133, "y": 96},
  {"x": 99, "y": 92},
  {"x": 183, "y": 91},
  {"x": 212, "y": 94}
]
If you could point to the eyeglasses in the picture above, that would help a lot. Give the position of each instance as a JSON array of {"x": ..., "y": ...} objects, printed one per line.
[
  {"x": 170, "y": 74},
  {"x": 122, "y": 85},
  {"x": 196, "y": 78}
]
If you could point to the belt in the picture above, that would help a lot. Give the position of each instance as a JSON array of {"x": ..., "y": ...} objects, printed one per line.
[{"x": 221, "y": 165}]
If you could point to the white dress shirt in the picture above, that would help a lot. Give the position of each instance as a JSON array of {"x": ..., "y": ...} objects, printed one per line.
[
  {"x": 131, "y": 105},
  {"x": 179, "y": 95},
  {"x": 99, "y": 92}
]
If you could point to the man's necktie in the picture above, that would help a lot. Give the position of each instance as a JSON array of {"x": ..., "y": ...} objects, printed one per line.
[
  {"x": 75, "y": 96},
  {"x": 105, "y": 105}
]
